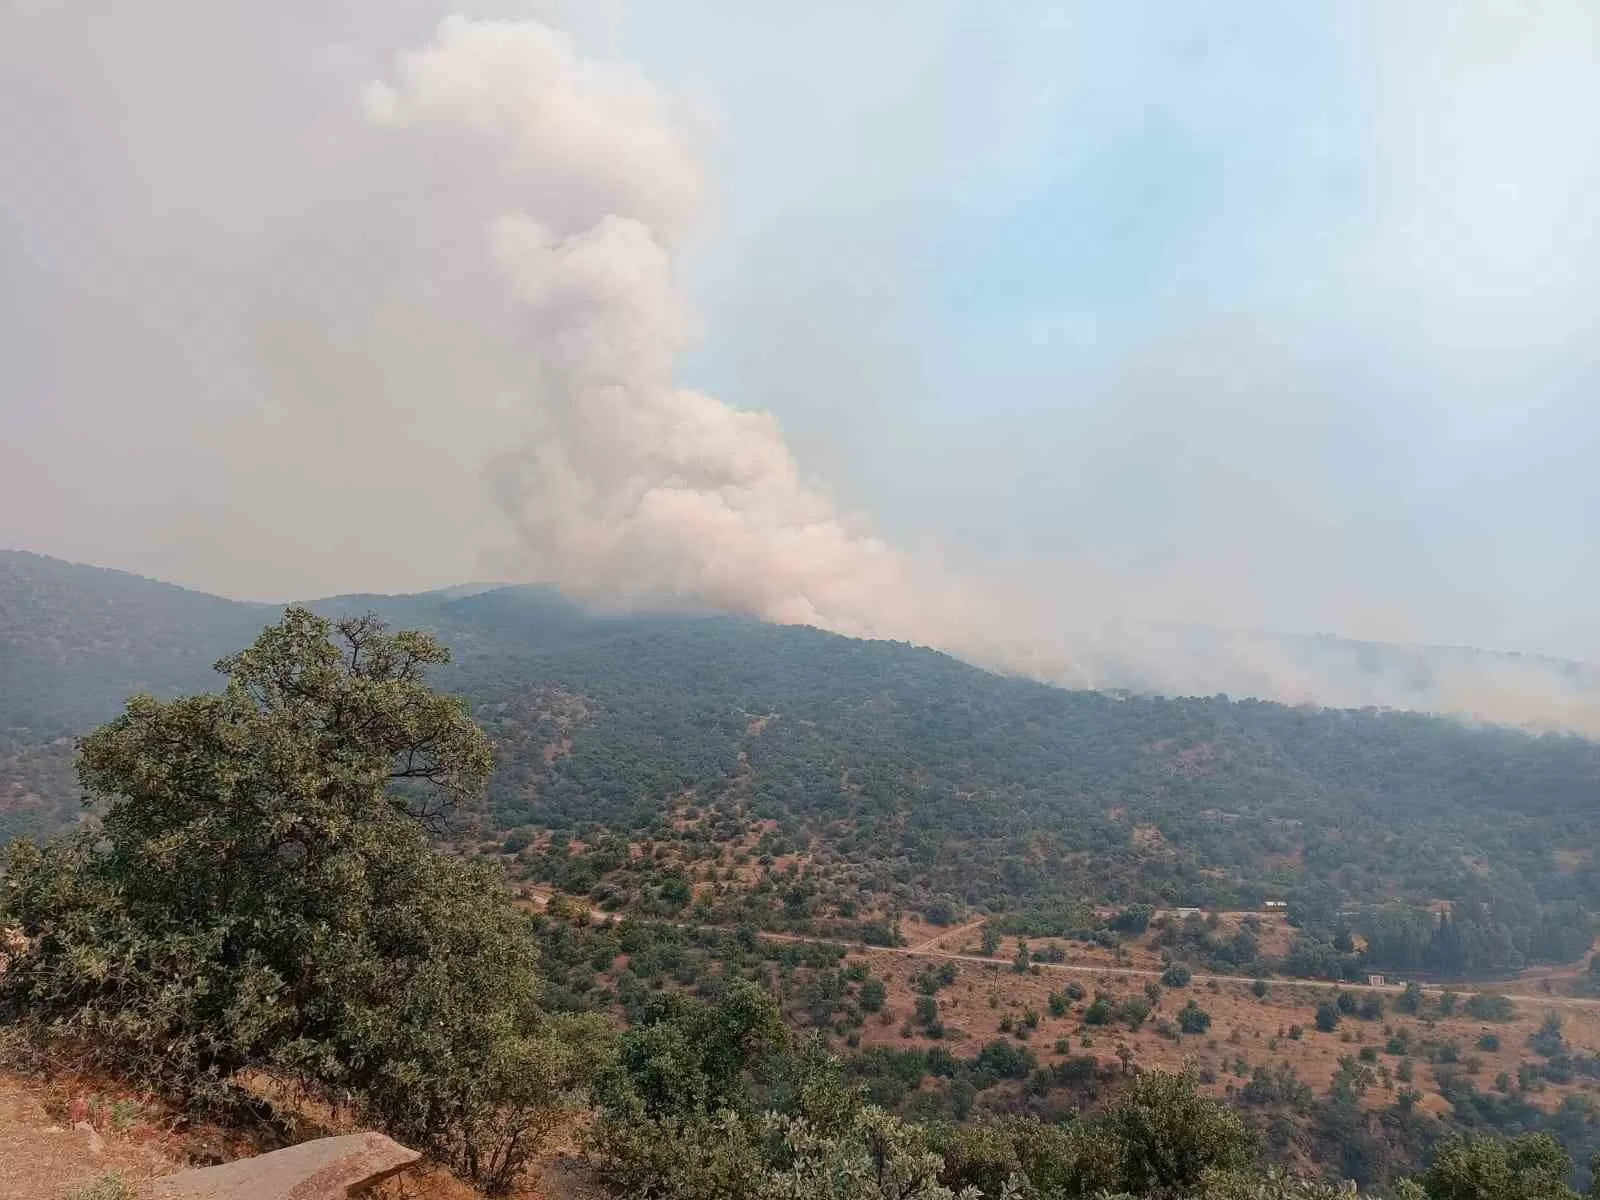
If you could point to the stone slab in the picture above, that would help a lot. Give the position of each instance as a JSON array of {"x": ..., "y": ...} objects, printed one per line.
[{"x": 324, "y": 1169}]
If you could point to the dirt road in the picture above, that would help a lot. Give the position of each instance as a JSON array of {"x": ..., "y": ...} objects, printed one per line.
[{"x": 930, "y": 949}]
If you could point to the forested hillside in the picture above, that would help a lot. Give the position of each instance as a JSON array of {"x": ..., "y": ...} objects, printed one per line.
[
  {"x": 76, "y": 641},
  {"x": 899, "y": 779},
  {"x": 786, "y": 878}
]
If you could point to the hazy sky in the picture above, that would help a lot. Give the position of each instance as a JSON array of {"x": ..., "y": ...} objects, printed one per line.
[{"x": 1265, "y": 314}]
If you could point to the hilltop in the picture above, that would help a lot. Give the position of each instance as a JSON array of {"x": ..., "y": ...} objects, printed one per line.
[{"x": 897, "y": 778}]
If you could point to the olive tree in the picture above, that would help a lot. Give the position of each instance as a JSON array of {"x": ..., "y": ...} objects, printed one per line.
[{"x": 262, "y": 895}]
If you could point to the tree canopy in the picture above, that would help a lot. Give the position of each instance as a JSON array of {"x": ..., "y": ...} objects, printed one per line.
[{"x": 262, "y": 894}]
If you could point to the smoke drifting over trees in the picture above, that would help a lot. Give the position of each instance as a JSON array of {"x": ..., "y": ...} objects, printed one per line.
[
  {"x": 446, "y": 306},
  {"x": 629, "y": 489},
  {"x": 624, "y": 487}
]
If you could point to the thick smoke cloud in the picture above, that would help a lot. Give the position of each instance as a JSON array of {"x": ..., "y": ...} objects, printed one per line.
[
  {"x": 625, "y": 488},
  {"x": 359, "y": 300}
]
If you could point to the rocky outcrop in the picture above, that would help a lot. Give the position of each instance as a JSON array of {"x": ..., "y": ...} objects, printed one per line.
[{"x": 326, "y": 1169}]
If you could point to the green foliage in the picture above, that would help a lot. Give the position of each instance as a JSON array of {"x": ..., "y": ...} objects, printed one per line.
[
  {"x": 1193, "y": 1019},
  {"x": 1497, "y": 931},
  {"x": 73, "y": 641},
  {"x": 717, "y": 1102},
  {"x": 1272, "y": 1184},
  {"x": 1005, "y": 1059},
  {"x": 876, "y": 1157},
  {"x": 1476, "y": 1168},
  {"x": 1176, "y": 975},
  {"x": 1327, "y": 1016},
  {"x": 1133, "y": 919},
  {"x": 1161, "y": 1138},
  {"x": 873, "y": 994},
  {"x": 930, "y": 979},
  {"x": 1134, "y": 1012},
  {"x": 685, "y": 1058},
  {"x": 109, "y": 1186},
  {"x": 1169, "y": 1136},
  {"x": 262, "y": 895},
  {"x": 1198, "y": 938},
  {"x": 1547, "y": 1040},
  {"x": 1489, "y": 1006},
  {"x": 1053, "y": 916}
]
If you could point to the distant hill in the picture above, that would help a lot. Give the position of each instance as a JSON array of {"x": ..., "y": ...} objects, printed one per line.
[
  {"x": 75, "y": 641},
  {"x": 917, "y": 777},
  {"x": 1496, "y": 686}
]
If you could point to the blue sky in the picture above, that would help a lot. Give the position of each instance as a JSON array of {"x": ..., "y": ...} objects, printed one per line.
[
  {"x": 1347, "y": 247},
  {"x": 1229, "y": 310}
]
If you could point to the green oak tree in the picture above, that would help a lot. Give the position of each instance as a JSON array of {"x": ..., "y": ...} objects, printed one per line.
[{"x": 262, "y": 895}]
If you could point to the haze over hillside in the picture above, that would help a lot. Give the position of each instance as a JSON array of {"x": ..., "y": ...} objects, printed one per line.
[
  {"x": 79, "y": 677},
  {"x": 1150, "y": 358},
  {"x": 986, "y": 787}
]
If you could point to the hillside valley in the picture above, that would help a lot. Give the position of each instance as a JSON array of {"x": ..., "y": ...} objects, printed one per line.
[
  {"x": 888, "y": 780},
  {"x": 1360, "y": 930}
]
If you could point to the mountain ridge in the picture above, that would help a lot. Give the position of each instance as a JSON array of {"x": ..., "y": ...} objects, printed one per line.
[
  {"x": 924, "y": 779},
  {"x": 1579, "y": 669}
]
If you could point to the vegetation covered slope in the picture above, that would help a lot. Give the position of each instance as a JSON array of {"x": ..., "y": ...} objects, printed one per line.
[
  {"x": 76, "y": 641},
  {"x": 903, "y": 778},
  {"x": 261, "y": 905}
]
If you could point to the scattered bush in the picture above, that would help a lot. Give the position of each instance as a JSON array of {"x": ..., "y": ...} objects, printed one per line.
[
  {"x": 1193, "y": 1019},
  {"x": 109, "y": 1186},
  {"x": 1489, "y": 1006}
]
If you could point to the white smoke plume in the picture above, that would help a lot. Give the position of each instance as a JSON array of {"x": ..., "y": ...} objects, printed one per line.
[
  {"x": 625, "y": 487},
  {"x": 356, "y": 300}
]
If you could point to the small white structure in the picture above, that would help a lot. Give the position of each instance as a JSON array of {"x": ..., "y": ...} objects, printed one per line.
[
  {"x": 1187, "y": 912},
  {"x": 1276, "y": 905},
  {"x": 1375, "y": 981}
]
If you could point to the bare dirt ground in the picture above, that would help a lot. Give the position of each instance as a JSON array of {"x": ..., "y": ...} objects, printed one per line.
[
  {"x": 1246, "y": 1031},
  {"x": 57, "y": 1137},
  {"x": 45, "y": 1154}
]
